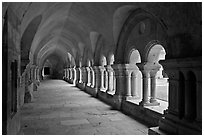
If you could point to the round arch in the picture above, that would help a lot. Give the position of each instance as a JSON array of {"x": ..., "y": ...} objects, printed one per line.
[
  {"x": 103, "y": 61},
  {"x": 111, "y": 59},
  {"x": 154, "y": 52},
  {"x": 133, "y": 19},
  {"x": 134, "y": 57}
]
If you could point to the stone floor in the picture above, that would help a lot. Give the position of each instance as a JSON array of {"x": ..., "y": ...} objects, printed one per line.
[{"x": 60, "y": 108}]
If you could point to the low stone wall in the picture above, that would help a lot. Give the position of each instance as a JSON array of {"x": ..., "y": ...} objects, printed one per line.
[{"x": 146, "y": 115}]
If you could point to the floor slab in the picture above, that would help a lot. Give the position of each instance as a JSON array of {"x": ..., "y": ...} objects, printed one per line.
[{"x": 60, "y": 108}]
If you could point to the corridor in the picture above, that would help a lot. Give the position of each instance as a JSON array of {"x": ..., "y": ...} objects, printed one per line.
[{"x": 61, "y": 108}]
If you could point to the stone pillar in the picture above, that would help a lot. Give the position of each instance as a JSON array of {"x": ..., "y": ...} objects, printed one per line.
[
  {"x": 28, "y": 92},
  {"x": 74, "y": 76},
  {"x": 134, "y": 84},
  {"x": 102, "y": 70},
  {"x": 146, "y": 89},
  {"x": 84, "y": 76},
  {"x": 110, "y": 78},
  {"x": 38, "y": 76},
  {"x": 65, "y": 74},
  {"x": 97, "y": 80},
  {"x": 117, "y": 98},
  {"x": 80, "y": 75},
  {"x": 88, "y": 76},
  {"x": 105, "y": 79},
  {"x": 77, "y": 75},
  {"x": 153, "y": 99},
  {"x": 127, "y": 93},
  {"x": 68, "y": 74},
  {"x": 93, "y": 77}
]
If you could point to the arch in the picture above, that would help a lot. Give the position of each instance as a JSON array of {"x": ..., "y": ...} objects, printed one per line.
[
  {"x": 98, "y": 49},
  {"x": 119, "y": 17},
  {"x": 134, "y": 57},
  {"x": 88, "y": 63},
  {"x": 27, "y": 39},
  {"x": 111, "y": 59},
  {"x": 155, "y": 53},
  {"x": 135, "y": 17},
  {"x": 103, "y": 61}
]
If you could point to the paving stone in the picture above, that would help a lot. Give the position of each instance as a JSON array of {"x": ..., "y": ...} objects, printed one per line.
[
  {"x": 75, "y": 122},
  {"x": 61, "y": 109}
]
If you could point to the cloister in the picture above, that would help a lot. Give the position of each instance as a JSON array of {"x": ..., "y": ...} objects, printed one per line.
[{"x": 142, "y": 59}]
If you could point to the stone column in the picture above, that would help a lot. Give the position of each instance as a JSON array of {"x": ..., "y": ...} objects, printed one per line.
[
  {"x": 38, "y": 76},
  {"x": 68, "y": 74},
  {"x": 97, "y": 79},
  {"x": 146, "y": 83},
  {"x": 110, "y": 79},
  {"x": 80, "y": 75},
  {"x": 134, "y": 84},
  {"x": 74, "y": 75},
  {"x": 88, "y": 76},
  {"x": 153, "y": 99},
  {"x": 117, "y": 98},
  {"x": 93, "y": 77},
  {"x": 102, "y": 69},
  {"x": 77, "y": 75},
  {"x": 84, "y": 76},
  {"x": 28, "y": 92},
  {"x": 127, "y": 92}
]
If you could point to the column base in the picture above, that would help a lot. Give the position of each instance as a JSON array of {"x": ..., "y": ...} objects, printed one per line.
[
  {"x": 35, "y": 87},
  {"x": 112, "y": 92},
  {"x": 103, "y": 89},
  {"x": 117, "y": 101},
  {"x": 147, "y": 103},
  {"x": 155, "y": 131},
  {"x": 91, "y": 91},
  {"x": 130, "y": 97},
  {"x": 28, "y": 98}
]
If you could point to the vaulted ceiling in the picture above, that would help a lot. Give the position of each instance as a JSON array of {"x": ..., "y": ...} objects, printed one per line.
[{"x": 60, "y": 29}]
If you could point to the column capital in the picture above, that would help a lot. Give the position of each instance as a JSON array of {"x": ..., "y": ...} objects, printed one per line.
[
  {"x": 126, "y": 69},
  {"x": 109, "y": 68},
  {"x": 88, "y": 68}
]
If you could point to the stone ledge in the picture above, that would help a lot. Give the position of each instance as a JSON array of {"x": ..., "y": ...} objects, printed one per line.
[{"x": 155, "y": 131}]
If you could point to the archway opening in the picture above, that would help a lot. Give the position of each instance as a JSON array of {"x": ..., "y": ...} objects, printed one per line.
[
  {"x": 134, "y": 57},
  {"x": 136, "y": 77},
  {"x": 159, "y": 79},
  {"x": 103, "y": 61},
  {"x": 47, "y": 71}
]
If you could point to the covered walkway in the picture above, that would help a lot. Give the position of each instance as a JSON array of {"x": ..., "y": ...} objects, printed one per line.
[{"x": 61, "y": 108}]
